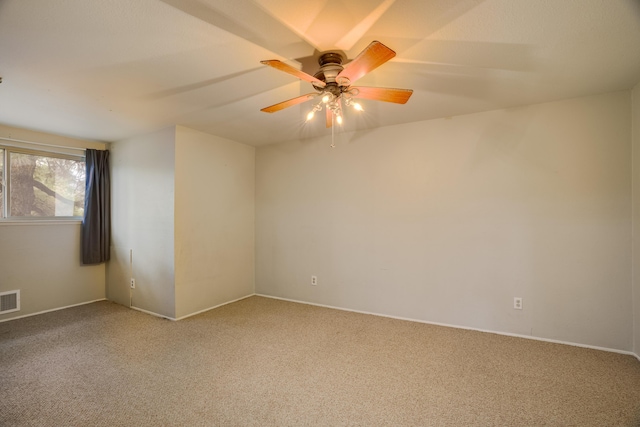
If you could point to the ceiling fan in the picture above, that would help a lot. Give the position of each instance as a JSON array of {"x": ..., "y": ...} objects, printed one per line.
[{"x": 333, "y": 81}]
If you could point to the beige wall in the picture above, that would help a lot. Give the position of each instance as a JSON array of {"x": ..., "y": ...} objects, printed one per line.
[
  {"x": 214, "y": 221},
  {"x": 42, "y": 259},
  {"x": 635, "y": 109},
  {"x": 183, "y": 201},
  {"x": 448, "y": 220},
  {"x": 43, "y": 262},
  {"x": 142, "y": 204}
]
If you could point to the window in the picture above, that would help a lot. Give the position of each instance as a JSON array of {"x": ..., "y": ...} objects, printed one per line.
[
  {"x": 1, "y": 183},
  {"x": 37, "y": 184}
]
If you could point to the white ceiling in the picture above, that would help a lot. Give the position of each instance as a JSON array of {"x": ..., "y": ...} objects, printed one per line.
[{"x": 111, "y": 69}]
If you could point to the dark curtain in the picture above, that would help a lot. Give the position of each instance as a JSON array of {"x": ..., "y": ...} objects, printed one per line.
[{"x": 96, "y": 224}]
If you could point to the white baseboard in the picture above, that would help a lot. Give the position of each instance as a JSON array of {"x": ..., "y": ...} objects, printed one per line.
[
  {"x": 530, "y": 337},
  {"x": 612, "y": 350},
  {"x": 191, "y": 314},
  {"x": 151, "y": 313},
  {"x": 52, "y": 309},
  {"x": 216, "y": 306}
]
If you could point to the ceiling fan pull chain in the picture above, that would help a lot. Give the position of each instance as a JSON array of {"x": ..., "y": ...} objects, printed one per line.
[{"x": 333, "y": 145}]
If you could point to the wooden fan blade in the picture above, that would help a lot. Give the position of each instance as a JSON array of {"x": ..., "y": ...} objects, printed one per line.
[
  {"x": 369, "y": 59},
  {"x": 329, "y": 117},
  {"x": 398, "y": 96},
  {"x": 279, "y": 65},
  {"x": 289, "y": 103}
]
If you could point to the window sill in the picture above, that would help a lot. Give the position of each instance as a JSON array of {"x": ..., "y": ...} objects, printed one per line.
[{"x": 66, "y": 221}]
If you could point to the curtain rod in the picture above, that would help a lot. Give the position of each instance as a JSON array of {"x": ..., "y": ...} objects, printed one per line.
[{"x": 40, "y": 143}]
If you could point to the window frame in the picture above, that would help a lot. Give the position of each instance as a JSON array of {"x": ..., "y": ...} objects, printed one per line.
[{"x": 5, "y": 182}]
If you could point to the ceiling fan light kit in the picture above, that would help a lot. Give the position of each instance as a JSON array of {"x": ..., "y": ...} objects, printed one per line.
[{"x": 333, "y": 81}]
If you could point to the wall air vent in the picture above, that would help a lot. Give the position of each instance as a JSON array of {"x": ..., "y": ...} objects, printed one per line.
[{"x": 9, "y": 301}]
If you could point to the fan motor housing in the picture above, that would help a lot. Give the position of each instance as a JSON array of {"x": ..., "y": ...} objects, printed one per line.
[{"x": 330, "y": 66}]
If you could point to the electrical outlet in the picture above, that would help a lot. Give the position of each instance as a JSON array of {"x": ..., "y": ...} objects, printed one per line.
[
  {"x": 517, "y": 303},
  {"x": 314, "y": 280},
  {"x": 133, "y": 283}
]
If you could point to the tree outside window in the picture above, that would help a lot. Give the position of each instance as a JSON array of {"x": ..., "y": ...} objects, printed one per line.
[{"x": 43, "y": 185}]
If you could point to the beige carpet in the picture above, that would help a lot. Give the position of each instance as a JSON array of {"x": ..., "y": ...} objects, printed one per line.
[{"x": 264, "y": 362}]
